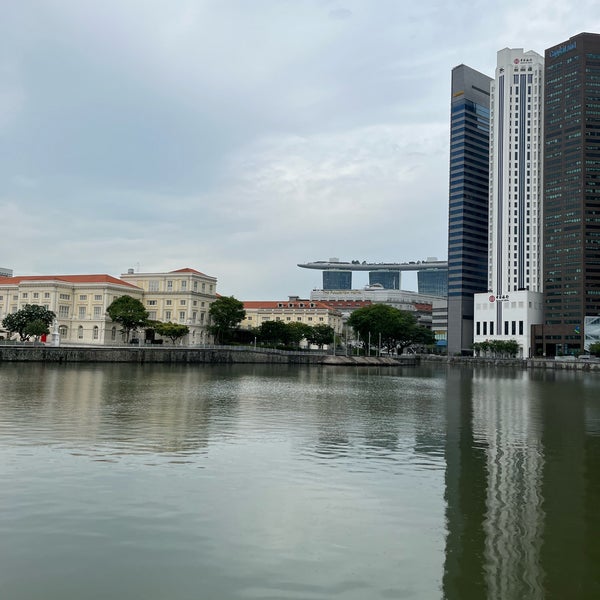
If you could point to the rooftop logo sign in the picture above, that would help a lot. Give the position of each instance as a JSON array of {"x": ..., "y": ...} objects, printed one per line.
[{"x": 563, "y": 49}]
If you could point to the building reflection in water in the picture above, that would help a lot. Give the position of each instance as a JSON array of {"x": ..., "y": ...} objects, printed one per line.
[{"x": 522, "y": 486}]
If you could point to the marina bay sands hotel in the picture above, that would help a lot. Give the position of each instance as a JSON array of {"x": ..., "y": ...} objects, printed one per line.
[{"x": 432, "y": 274}]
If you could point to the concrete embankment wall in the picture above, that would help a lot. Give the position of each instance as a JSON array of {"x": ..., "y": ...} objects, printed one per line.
[
  {"x": 181, "y": 355},
  {"x": 558, "y": 364}
]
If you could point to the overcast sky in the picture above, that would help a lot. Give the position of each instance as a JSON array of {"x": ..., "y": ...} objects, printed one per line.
[{"x": 239, "y": 137}]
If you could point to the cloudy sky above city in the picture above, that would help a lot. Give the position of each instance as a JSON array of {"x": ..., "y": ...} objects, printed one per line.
[{"x": 239, "y": 137}]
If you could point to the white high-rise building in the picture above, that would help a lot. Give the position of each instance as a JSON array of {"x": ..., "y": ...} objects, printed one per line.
[{"x": 514, "y": 300}]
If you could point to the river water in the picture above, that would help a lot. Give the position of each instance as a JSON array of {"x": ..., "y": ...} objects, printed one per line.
[{"x": 276, "y": 482}]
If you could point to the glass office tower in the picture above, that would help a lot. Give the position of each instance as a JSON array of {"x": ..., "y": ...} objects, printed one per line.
[
  {"x": 468, "y": 202},
  {"x": 571, "y": 183}
]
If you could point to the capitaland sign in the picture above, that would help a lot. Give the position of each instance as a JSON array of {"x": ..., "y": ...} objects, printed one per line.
[
  {"x": 563, "y": 49},
  {"x": 500, "y": 298}
]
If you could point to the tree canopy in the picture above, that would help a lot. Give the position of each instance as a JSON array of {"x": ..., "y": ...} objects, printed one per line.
[
  {"x": 226, "y": 314},
  {"x": 321, "y": 334},
  {"x": 173, "y": 331},
  {"x": 595, "y": 349},
  {"x": 398, "y": 328},
  {"x": 129, "y": 313},
  {"x": 32, "y": 319}
]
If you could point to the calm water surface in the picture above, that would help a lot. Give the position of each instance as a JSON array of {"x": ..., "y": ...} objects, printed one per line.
[{"x": 246, "y": 482}]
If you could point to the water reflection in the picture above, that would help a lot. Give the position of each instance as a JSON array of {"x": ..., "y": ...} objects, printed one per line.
[
  {"x": 289, "y": 482},
  {"x": 518, "y": 485}
]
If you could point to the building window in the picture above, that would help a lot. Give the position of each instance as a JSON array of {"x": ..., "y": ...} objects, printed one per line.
[
  {"x": 478, "y": 328},
  {"x": 62, "y": 331},
  {"x": 46, "y": 294},
  {"x": 195, "y": 286},
  {"x": 83, "y": 297},
  {"x": 95, "y": 334},
  {"x": 485, "y": 328},
  {"x": 153, "y": 285},
  {"x": 113, "y": 334},
  {"x": 169, "y": 286},
  {"x": 63, "y": 312},
  {"x": 491, "y": 327},
  {"x": 168, "y": 315},
  {"x": 513, "y": 328},
  {"x": 36, "y": 295},
  {"x": 82, "y": 312},
  {"x": 97, "y": 312},
  {"x": 182, "y": 315},
  {"x": 182, "y": 302},
  {"x": 169, "y": 302},
  {"x": 151, "y": 302},
  {"x": 520, "y": 327},
  {"x": 505, "y": 327},
  {"x": 98, "y": 298},
  {"x": 80, "y": 332},
  {"x": 25, "y": 295},
  {"x": 183, "y": 286}
]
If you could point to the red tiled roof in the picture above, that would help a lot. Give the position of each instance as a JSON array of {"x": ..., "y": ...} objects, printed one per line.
[
  {"x": 80, "y": 279},
  {"x": 348, "y": 303},
  {"x": 423, "y": 307},
  {"x": 273, "y": 304}
]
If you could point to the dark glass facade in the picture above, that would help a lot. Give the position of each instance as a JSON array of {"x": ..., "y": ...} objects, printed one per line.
[
  {"x": 337, "y": 280},
  {"x": 571, "y": 187},
  {"x": 433, "y": 282},
  {"x": 389, "y": 280},
  {"x": 468, "y": 202}
]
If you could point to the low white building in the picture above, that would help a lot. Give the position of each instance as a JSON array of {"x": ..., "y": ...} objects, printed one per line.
[{"x": 508, "y": 317}]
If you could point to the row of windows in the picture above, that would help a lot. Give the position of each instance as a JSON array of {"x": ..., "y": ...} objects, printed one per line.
[{"x": 481, "y": 327}]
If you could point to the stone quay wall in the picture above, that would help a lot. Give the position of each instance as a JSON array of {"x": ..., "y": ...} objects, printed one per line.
[{"x": 184, "y": 355}]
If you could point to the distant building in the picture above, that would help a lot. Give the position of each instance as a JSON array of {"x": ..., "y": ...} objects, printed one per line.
[
  {"x": 293, "y": 310},
  {"x": 468, "y": 202},
  {"x": 433, "y": 283},
  {"x": 389, "y": 280},
  {"x": 183, "y": 296},
  {"x": 337, "y": 280},
  {"x": 513, "y": 302},
  {"x": 5, "y": 272},
  {"x": 79, "y": 302}
]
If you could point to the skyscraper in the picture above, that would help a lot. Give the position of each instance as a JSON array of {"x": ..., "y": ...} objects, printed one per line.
[
  {"x": 571, "y": 186},
  {"x": 468, "y": 202},
  {"x": 514, "y": 299}
]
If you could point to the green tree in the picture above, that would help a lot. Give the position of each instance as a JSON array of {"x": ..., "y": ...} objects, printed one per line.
[
  {"x": 129, "y": 313},
  {"x": 274, "y": 332},
  {"x": 595, "y": 349},
  {"x": 28, "y": 321},
  {"x": 226, "y": 314},
  {"x": 397, "y": 328},
  {"x": 321, "y": 335},
  {"x": 173, "y": 331},
  {"x": 297, "y": 332}
]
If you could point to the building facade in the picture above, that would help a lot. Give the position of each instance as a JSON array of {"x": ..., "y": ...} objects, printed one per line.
[
  {"x": 5, "y": 272},
  {"x": 515, "y": 283},
  {"x": 433, "y": 283},
  {"x": 571, "y": 266},
  {"x": 468, "y": 202},
  {"x": 309, "y": 312},
  {"x": 183, "y": 296},
  {"x": 79, "y": 302}
]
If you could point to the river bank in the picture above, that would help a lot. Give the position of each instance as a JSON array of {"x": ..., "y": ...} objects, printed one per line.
[
  {"x": 559, "y": 363},
  {"x": 183, "y": 355}
]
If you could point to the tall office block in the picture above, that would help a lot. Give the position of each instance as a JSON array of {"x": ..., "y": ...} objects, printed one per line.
[
  {"x": 389, "y": 280},
  {"x": 337, "y": 280},
  {"x": 572, "y": 193},
  {"x": 433, "y": 283},
  {"x": 514, "y": 299},
  {"x": 468, "y": 202}
]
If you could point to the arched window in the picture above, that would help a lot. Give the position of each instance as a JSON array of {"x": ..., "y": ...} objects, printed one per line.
[
  {"x": 80, "y": 332},
  {"x": 63, "y": 330},
  {"x": 95, "y": 332}
]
